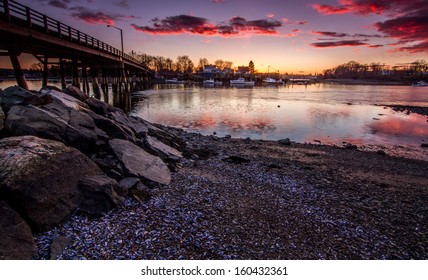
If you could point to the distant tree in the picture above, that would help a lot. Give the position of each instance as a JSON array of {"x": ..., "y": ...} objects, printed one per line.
[
  {"x": 36, "y": 66},
  {"x": 251, "y": 66},
  {"x": 202, "y": 63},
  {"x": 184, "y": 64},
  {"x": 227, "y": 64},
  {"x": 219, "y": 64}
]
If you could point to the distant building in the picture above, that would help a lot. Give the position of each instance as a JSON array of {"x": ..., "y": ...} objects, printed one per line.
[
  {"x": 243, "y": 70},
  {"x": 210, "y": 71},
  {"x": 251, "y": 67}
]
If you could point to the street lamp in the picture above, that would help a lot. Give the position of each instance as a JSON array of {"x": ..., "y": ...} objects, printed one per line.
[{"x": 121, "y": 38}]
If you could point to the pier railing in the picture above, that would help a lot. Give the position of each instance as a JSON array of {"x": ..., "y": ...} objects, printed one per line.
[{"x": 24, "y": 16}]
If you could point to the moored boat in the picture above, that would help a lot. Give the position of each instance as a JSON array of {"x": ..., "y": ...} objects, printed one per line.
[
  {"x": 272, "y": 81},
  {"x": 420, "y": 84},
  {"x": 242, "y": 81},
  {"x": 212, "y": 82}
]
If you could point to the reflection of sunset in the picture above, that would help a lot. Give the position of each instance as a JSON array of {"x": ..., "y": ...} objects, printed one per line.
[
  {"x": 320, "y": 113},
  {"x": 413, "y": 125}
]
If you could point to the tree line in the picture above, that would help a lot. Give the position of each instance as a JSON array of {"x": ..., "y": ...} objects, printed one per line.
[{"x": 378, "y": 71}]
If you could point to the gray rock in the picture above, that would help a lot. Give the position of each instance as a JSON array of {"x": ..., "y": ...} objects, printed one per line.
[
  {"x": 16, "y": 240},
  {"x": 18, "y": 96},
  {"x": 98, "y": 106},
  {"x": 40, "y": 178},
  {"x": 139, "y": 127},
  {"x": 1, "y": 119},
  {"x": 70, "y": 127},
  {"x": 139, "y": 163},
  {"x": 140, "y": 192},
  {"x": 160, "y": 149},
  {"x": 350, "y": 146},
  {"x": 76, "y": 93},
  {"x": 247, "y": 140},
  {"x": 112, "y": 128},
  {"x": 126, "y": 184},
  {"x": 98, "y": 194},
  {"x": 285, "y": 142},
  {"x": 58, "y": 245}
]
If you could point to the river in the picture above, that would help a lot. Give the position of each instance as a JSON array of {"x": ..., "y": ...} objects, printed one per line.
[{"x": 318, "y": 113}]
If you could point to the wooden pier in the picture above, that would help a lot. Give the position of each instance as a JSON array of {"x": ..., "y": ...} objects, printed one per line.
[{"x": 24, "y": 30}]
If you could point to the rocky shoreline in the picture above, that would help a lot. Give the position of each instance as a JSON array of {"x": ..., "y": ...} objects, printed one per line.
[{"x": 195, "y": 197}]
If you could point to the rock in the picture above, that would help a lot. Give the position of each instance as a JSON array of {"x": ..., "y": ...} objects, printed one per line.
[
  {"x": 424, "y": 145},
  {"x": 126, "y": 184},
  {"x": 202, "y": 153},
  {"x": 160, "y": 149},
  {"x": 381, "y": 152},
  {"x": 76, "y": 93},
  {"x": 350, "y": 146},
  {"x": 140, "y": 192},
  {"x": 18, "y": 96},
  {"x": 139, "y": 163},
  {"x": 69, "y": 126},
  {"x": 139, "y": 127},
  {"x": 1, "y": 119},
  {"x": 111, "y": 128},
  {"x": 247, "y": 140},
  {"x": 284, "y": 142},
  {"x": 236, "y": 160},
  {"x": 98, "y": 194},
  {"x": 227, "y": 136},
  {"x": 39, "y": 178},
  {"x": 98, "y": 106},
  {"x": 165, "y": 137},
  {"x": 16, "y": 240},
  {"x": 58, "y": 245}
]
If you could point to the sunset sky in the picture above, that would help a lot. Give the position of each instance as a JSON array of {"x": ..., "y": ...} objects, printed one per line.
[{"x": 288, "y": 35}]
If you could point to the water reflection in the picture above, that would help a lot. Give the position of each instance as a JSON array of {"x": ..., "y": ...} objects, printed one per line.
[{"x": 326, "y": 113}]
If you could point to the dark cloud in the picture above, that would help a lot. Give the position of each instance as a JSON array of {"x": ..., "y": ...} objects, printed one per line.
[
  {"x": 96, "y": 17},
  {"x": 341, "y": 35},
  {"x": 329, "y": 10},
  {"x": 61, "y": 4},
  {"x": 366, "y": 7},
  {"x": 330, "y": 34},
  {"x": 197, "y": 25},
  {"x": 122, "y": 3},
  {"x": 343, "y": 43},
  {"x": 408, "y": 19},
  {"x": 411, "y": 28}
]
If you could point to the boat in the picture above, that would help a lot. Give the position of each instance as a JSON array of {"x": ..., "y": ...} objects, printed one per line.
[
  {"x": 272, "y": 81},
  {"x": 212, "y": 82},
  {"x": 174, "y": 81},
  {"x": 242, "y": 81},
  {"x": 420, "y": 84}
]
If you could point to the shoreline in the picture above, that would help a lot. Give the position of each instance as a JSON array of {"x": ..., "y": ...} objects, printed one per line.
[{"x": 240, "y": 199}]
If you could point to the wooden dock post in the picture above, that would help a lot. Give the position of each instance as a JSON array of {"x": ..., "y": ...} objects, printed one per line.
[
  {"x": 76, "y": 80},
  {"x": 19, "y": 74},
  {"x": 95, "y": 86},
  {"x": 62, "y": 73},
  {"x": 45, "y": 71}
]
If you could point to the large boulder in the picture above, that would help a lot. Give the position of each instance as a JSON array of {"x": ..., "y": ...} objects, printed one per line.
[
  {"x": 39, "y": 178},
  {"x": 139, "y": 163},
  {"x": 18, "y": 96},
  {"x": 1, "y": 119},
  {"x": 98, "y": 194},
  {"x": 16, "y": 240},
  {"x": 68, "y": 126},
  {"x": 76, "y": 93},
  {"x": 160, "y": 149}
]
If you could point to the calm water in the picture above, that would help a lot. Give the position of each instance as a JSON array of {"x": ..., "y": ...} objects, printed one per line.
[{"x": 322, "y": 112}]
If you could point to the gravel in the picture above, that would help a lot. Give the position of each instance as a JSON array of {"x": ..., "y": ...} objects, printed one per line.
[{"x": 262, "y": 200}]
